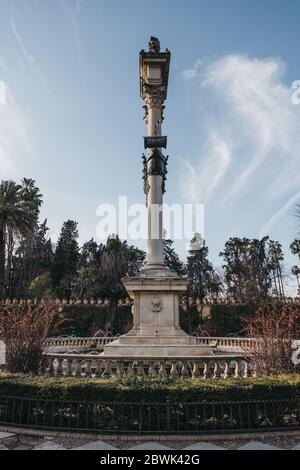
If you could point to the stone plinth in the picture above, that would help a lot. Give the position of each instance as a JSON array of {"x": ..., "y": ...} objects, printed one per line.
[{"x": 156, "y": 330}]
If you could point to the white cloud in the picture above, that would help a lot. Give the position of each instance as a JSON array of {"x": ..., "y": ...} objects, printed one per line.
[
  {"x": 26, "y": 54},
  {"x": 16, "y": 137},
  {"x": 250, "y": 102},
  {"x": 190, "y": 74},
  {"x": 279, "y": 214},
  {"x": 203, "y": 179}
]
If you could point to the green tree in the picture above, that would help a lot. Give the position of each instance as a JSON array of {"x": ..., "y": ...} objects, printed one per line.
[
  {"x": 246, "y": 269},
  {"x": 295, "y": 248},
  {"x": 200, "y": 271},
  {"x": 66, "y": 257},
  {"x": 32, "y": 259},
  {"x": 117, "y": 261},
  {"x": 296, "y": 272},
  {"x": 276, "y": 258},
  {"x": 18, "y": 216},
  {"x": 171, "y": 258},
  {"x": 86, "y": 284}
]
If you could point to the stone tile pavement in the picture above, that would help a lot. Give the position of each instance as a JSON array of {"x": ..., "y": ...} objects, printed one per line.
[{"x": 17, "y": 439}]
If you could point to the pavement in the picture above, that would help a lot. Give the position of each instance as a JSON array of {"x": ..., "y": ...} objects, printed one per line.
[{"x": 27, "y": 439}]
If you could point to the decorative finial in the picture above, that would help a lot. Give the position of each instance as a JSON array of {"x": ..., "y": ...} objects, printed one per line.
[{"x": 154, "y": 45}]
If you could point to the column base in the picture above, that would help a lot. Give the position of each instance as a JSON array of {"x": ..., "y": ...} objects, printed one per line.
[{"x": 156, "y": 331}]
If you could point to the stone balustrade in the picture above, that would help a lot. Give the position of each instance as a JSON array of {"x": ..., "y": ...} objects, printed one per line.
[
  {"x": 89, "y": 365},
  {"x": 63, "y": 302},
  {"x": 221, "y": 343},
  {"x": 123, "y": 302},
  {"x": 77, "y": 342},
  {"x": 226, "y": 342}
]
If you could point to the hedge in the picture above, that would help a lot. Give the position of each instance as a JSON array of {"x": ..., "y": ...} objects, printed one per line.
[
  {"x": 145, "y": 390},
  {"x": 229, "y": 319},
  {"x": 85, "y": 320}
]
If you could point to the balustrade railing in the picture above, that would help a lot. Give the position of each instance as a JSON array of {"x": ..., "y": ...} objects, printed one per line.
[
  {"x": 123, "y": 302},
  {"x": 77, "y": 342},
  {"x": 98, "y": 343},
  {"x": 226, "y": 342},
  {"x": 89, "y": 365}
]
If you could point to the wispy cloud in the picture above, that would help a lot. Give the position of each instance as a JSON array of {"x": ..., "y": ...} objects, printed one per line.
[
  {"x": 190, "y": 74},
  {"x": 28, "y": 58},
  {"x": 16, "y": 34},
  {"x": 252, "y": 104},
  {"x": 279, "y": 214},
  {"x": 16, "y": 137},
  {"x": 205, "y": 175}
]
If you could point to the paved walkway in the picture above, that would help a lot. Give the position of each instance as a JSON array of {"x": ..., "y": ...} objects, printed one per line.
[{"x": 16, "y": 439}]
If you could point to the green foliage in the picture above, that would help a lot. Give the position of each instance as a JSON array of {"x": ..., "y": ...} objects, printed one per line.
[
  {"x": 184, "y": 390},
  {"x": 230, "y": 319},
  {"x": 201, "y": 275},
  {"x": 85, "y": 320},
  {"x": 40, "y": 286},
  {"x": 65, "y": 260},
  {"x": 171, "y": 258},
  {"x": 142, "y": 381},
  {"x": 246, "y": 270},
  {"x": 19, "y": 209},
  {"x": 189, "y": 320}
]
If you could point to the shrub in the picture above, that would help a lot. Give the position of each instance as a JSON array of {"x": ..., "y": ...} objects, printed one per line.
[
  {"x": 230, "y": 319},
  {"x": 274, "y": 328},
  {"x": 23, "y": 329},
  {"x": 112, "y": 390},
  {"x": 85, "y": 320}
]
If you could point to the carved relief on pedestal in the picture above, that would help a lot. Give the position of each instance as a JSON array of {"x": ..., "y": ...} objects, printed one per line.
[{"x": 156, "y": 304}]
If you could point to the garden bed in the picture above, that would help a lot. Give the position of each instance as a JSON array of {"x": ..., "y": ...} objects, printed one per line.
[
  {"x": 146, "y": 389},
  {"x": 137, "y": 405}
]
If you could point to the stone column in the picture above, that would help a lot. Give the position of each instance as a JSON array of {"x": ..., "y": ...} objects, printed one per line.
[
  {"x": 154, "y": 68},
  {"x": 153, "y": 119}
]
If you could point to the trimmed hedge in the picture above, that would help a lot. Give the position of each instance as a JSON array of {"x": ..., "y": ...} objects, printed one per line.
[
  {"x": 145, "y": 390},
  {"x": 229, "y": 319},
  {"x": 85, "y": 320}
]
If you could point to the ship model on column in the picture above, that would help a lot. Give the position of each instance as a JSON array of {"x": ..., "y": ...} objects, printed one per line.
[{"x": 156, "y": 289}]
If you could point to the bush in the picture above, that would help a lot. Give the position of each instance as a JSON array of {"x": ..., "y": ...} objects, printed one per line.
[
  {"x": 112, "y": 390},
  {"x": 274, "y": 328},
  {"x": 230, "y": 319},
  {"x": 85, "y": 320},
  {"x": 23, "y": 329}
]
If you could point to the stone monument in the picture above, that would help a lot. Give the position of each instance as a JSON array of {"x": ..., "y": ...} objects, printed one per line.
[{"x": 156, "y": 289}]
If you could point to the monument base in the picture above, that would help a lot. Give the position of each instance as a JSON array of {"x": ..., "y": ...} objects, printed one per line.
[
  {"x": 156, "y": 331},
  {"x": 153, "y": 346}
]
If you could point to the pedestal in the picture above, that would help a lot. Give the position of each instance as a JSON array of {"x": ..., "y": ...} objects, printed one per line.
[{"x": 156, "y": 330}]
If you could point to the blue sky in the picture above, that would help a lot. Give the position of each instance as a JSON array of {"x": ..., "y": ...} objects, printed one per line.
[{"x": 73, "y": 118}]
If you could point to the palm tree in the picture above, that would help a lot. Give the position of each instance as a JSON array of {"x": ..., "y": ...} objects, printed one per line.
[
  {"x": 275, "y": 258},
  {"x": 295, "y": 247},
  {"x": 31, "y": 193},
  {"x": 296, "y": 271},
  {"x": 17, "y": 218}
]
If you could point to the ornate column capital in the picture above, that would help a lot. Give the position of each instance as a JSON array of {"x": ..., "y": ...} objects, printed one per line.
[{"x": 154, "y": 96}]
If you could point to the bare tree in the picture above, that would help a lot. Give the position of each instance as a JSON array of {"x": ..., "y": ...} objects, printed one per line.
[
  {"x": 274, "y": 329},
  {"x": 23, "y": 329}
]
